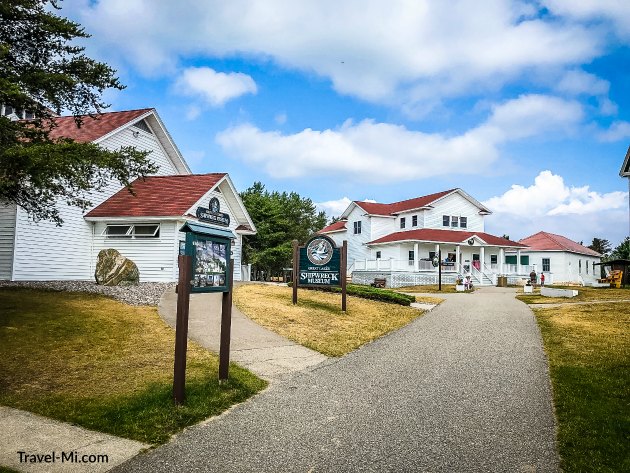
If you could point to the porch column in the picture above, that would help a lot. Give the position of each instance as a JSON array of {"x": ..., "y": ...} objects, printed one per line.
[
  {"x": 458, "y": 264},
  {"x": 416, "y": 259},
  {"x": 501, "y": 260},
  {"x": 482, "y": 257},
  {"x": 518, "y": 261}
]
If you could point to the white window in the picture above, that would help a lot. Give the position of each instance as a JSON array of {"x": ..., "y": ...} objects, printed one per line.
[
  {"x": 378, "y": 255},
  {"x": 411, "y": 257},
  {"x": 357, "y": 227},
  {"x": 403, "y": 222},
  {"x": 454, "y": 221},
  {"x": 414, "y": 221},
  {"x": 463, "y": 222},
  {"x": 546, "y": 264},
  {"x": 446, "y": 221},
  {"x": 141, "y": 230}
]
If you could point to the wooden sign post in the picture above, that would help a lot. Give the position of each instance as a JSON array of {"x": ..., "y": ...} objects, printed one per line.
[
  {"x": 320, "y": 263},
  {"x": 205, "y": 267}
]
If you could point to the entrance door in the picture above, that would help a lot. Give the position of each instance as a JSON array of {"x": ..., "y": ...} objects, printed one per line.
[{"x": 476, "y": 262}]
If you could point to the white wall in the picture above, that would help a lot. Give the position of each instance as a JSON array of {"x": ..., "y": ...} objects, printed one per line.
[
  {"x": 454, "y": 205},
  {"x": 47, "y": 252},
  {"x": 357, "y": 250},
  {"x": 7, "y": 236},
  {"x": 155, "y": 257},
  {"x": 381, "y": 226},
  {"x": 565, "y": 266}
]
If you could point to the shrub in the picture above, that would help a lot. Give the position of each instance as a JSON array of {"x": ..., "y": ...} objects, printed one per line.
[{"x": 367, "y": 292}]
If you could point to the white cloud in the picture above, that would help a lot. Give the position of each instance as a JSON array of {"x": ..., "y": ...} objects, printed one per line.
[
  {"x": 549, "y": 204},
  {"x": 578, "y": 82},
  {"x": 381, "y": 152},
  {"x": 214, "y": 88},
  {"x": 619, "y": 130},
  {"x": 397, "y": 52},
  {"x": 615, "y": 11},
  {"x": 334, "y": 208}
]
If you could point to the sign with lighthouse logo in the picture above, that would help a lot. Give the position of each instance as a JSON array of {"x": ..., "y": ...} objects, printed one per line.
[{"x": 320, "y": 263}]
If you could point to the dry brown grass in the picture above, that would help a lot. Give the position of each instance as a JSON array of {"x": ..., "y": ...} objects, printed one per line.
[
  {"x": 317, "y": 320},
  {"x": 585, "y": 294}
]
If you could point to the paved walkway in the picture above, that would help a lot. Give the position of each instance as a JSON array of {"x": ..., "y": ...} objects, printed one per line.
[
  {"x": 262, "y": 351},
  {"x": 463, "y": 388},
  {"x": 35, "y": 435}
]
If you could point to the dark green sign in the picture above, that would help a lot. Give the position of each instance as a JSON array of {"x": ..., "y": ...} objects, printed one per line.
[
  {"x": 320, "y": 263},
  {"x": 210, "y": 250}
]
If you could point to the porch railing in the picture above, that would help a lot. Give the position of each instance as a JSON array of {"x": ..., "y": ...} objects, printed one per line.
[{"x": 400, "y": 265}]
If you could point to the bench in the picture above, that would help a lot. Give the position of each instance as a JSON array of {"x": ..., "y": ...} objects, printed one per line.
[
  {"x": 379, "y": 282},
  {"x": 614, "y": 278}
]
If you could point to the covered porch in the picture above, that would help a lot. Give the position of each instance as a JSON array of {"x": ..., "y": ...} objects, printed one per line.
[{"x": 474, "y": 256}]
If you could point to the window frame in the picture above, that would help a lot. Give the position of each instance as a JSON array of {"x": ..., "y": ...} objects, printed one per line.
[
  {"x": 357, "y": 227},
  {"x": 546, "y": 266},
  {"x": 378, "y": 254},
  {"x": 414, "y": 221},
  {"x": 463, "y": 222},
  {"x": 446, "y": 220},
  {"x": 403, "y": 222},
  {"x": 454, "y": 221},
  {"x": 131, "y": 234}
]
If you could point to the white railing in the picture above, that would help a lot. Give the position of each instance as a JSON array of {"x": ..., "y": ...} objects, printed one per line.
[
  {"x": 513, "y": 269},
  {"x": 399, "y": 265}
]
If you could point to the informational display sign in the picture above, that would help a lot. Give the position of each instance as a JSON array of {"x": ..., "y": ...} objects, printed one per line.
[
  {"x": 210, "y": 256},
  {"x": 320, "y": 262},
  {"x": 213, "y": 214}
]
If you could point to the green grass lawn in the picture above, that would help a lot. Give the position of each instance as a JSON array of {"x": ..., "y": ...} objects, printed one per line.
[
  {"x": 588, "y": 347},
  {"x": 105, "y": 365}
]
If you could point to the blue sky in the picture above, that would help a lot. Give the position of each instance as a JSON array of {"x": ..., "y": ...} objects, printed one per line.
[{"x": 525, "y": 105}]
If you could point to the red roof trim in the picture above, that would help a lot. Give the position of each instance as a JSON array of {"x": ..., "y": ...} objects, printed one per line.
[
  {"x": 334, "y": 227},
  {"x": 444, "y": 236},
  {"x": 94, "y": 128},
  {"x": 158, "y": 196},
  {"x": 544, "y": 241},
  {"x": 376, "y": 208}
]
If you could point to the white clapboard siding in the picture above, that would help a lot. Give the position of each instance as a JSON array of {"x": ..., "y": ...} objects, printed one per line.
[
  {"x": 357, "y": 249},
  {"x": 454, "y": 205},
  {"x": 7, "y": 237},
  {"x": 225, "y": 208},
  {"x": 144, "y": 141},
  {"x": 155, "y": 257},
  {"x": 47, "y": 252},
  {"x": 381, "y": 226}
]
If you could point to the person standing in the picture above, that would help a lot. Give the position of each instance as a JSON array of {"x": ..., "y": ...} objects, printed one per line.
[
  {"x": 542, "y": 279},
  {"x": 532, "y": 277}
]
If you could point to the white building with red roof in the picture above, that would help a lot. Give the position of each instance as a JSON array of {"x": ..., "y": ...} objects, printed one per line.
[
  {"x": 561, "y": 260},
  {"x": 399, "y": 241},
  {"x": 144, "y": 227}
]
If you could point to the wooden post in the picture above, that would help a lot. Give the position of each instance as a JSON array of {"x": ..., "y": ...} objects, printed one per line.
[
  {"x": 343, "y": 272},
  {"x": 296, "y": 269},
  {"x": 440, "y": 270},
  {"x": 226, "y": 326},
  {"x": 181, "y": 328}
]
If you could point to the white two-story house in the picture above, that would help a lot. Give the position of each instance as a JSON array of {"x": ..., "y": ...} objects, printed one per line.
[{"x": 400, "y": 241}]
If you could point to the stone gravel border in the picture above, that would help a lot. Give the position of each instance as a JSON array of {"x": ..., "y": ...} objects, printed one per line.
[{"x": 146, "y": 293}]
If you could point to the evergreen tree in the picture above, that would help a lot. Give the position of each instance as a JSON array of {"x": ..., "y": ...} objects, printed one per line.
[
  {"x": 43, "y": 72},
  {"x": 622, "y": 251},
  {"x": 280, "y": 218},
  {"x": 601, "y": 245}
]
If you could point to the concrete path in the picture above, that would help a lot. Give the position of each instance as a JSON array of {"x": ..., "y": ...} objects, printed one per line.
[
  {"x": 463, "y": 388},
  {"x": 262, "y": 351},
  {"x": 74, "y": 449}
]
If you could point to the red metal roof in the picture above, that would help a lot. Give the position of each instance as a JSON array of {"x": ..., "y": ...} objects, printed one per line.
[
  {"x": 334, "y": 227},
  {"x": 443, "y": 236},
  {"x": 93, "y": 128},
  {"x": 543, "y": 241},
  {"x": 396, "y": 207},
  {"x": 158, "y": 196}
]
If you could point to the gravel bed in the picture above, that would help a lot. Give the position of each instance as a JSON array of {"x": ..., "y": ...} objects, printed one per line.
[{"x": 146, "y": 293}]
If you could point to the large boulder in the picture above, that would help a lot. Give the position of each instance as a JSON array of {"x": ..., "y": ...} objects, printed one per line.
[{"x": 113, "y": 269}]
